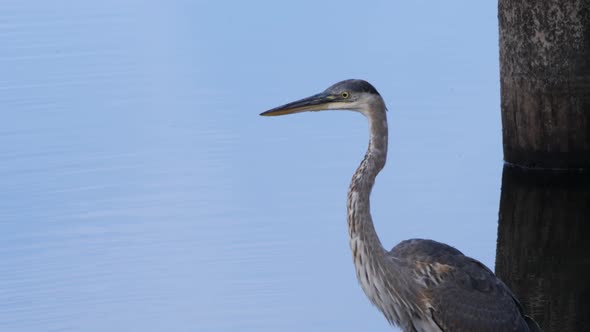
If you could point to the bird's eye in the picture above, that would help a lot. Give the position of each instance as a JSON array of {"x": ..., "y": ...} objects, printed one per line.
[{"x": 345, "y": 94}]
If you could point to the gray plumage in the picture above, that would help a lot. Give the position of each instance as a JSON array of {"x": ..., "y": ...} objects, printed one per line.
[{"x": 420, "y": 285}]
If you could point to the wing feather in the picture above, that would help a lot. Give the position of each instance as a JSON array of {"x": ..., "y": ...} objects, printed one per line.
[{"x": 460, "y": 293}]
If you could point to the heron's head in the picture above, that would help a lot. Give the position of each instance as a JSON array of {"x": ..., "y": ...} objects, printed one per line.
[{"x": 354, "y": 95}]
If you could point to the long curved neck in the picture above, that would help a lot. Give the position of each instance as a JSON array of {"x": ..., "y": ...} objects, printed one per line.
[{"x": 363, "y": 238}]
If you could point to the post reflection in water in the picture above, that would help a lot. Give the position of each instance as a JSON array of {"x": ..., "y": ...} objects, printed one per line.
[{"x": 543, "y": 248}]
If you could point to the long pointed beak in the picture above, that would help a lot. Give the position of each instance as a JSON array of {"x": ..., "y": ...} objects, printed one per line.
[{"x": 318, "y": 102}]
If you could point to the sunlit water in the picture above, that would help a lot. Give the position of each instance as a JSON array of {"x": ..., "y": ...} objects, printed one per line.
[{"x": 141, "y": 191}]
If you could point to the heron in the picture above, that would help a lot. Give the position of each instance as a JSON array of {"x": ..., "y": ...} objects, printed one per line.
[{"x": 420, "y": 285}]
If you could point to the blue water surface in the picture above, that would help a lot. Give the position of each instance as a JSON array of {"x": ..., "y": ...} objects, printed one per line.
[{"x": 141, "y": 191}]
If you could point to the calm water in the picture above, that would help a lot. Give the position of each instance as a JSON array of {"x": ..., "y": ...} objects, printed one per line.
[{"x": 142, "y": 191}]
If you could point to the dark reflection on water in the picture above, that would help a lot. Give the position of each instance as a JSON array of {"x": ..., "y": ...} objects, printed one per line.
[{"x": 543, "y": 247}]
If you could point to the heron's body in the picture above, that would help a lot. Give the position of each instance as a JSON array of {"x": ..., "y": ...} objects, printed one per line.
[{"x": 420, "y": 285}]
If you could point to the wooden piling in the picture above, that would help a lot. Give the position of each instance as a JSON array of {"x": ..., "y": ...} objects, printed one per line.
[{"x": 545, "y": 82}]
